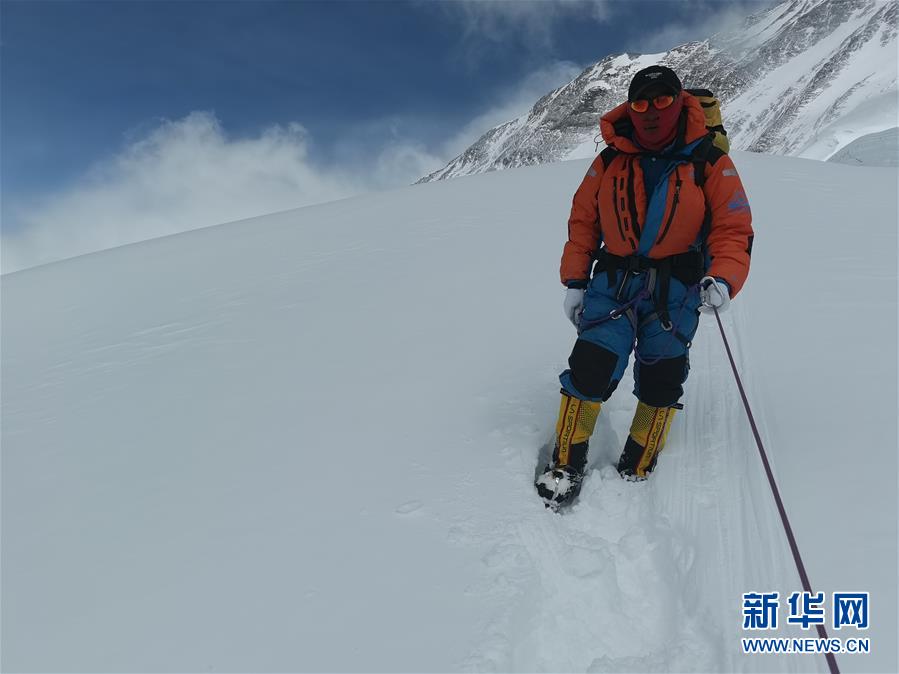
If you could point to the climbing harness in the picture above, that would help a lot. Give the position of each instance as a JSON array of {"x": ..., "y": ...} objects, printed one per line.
[{"x": 686, "y": 267}]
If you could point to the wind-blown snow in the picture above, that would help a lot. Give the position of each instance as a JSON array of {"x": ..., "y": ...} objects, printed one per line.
[{"x": 306, "y": 442}]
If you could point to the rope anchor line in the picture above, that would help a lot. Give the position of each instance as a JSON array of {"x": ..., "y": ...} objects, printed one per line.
[{"x": 794, "y": 548}]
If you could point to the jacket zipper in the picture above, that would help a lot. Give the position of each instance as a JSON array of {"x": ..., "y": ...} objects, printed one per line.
[
  {"x": 673, "y": 207},
  {"x": 615, "y": 201},
  {"x": 632, "y": 201}
]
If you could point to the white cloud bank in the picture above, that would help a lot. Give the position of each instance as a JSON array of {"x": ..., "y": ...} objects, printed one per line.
[
  {"x": 495, "y": 20},
  {"x": 183, "y": 175},
  {"x": 709, "y": 18},
  {"x": 188, "y": 173}
]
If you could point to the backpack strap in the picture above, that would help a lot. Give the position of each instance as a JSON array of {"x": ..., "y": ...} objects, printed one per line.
[
  {"x": 706, "y": 153},
  {"x": 699, "y": 158},
  {"x": 607, "y": 155},
  {"x": 624, "y": 127}
]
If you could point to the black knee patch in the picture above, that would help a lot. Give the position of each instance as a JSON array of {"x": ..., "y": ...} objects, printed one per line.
[
  {"x": 661, "y": 384},
  {"x": 592, "y": 368}
]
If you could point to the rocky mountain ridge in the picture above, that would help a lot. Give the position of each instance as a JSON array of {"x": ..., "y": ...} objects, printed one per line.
[{"x": 802, "y": 78}]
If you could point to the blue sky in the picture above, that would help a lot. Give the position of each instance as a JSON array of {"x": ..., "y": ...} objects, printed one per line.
[{"x": 366, "y": 95}]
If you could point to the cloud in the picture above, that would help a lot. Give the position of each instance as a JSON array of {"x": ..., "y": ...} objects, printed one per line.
[
  {"x": 511, "y": 103},
  {"x": 495, "y": 21},
  {"x": 402, "y": 160},
  {"x": 182, "y": 175},
  {"x": 707, "y": 18},
  {"x": 385, "y": 152},
  {"x": 189, "y": 173}
]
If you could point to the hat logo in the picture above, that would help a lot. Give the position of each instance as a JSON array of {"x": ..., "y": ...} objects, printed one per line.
[{"x": 652, "y": 76}]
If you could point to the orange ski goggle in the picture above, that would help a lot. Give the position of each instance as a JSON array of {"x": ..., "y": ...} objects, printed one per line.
[{"x": 659, "y": 103}]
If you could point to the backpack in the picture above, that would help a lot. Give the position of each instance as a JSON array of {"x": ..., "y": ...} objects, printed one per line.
[{"x": 712, "y": 109}]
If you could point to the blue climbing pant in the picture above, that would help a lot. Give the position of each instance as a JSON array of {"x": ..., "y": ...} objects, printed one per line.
[{"x": 623, "y": 317}]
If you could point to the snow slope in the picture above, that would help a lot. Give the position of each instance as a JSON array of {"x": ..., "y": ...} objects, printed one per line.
[
  {"x": 874, "y": 149},
  {"x": 305, "y": 442}
]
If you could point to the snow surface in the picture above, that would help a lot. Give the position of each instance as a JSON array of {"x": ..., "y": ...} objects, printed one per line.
[
  {"x": 874, "y": 149},
  {"x": 306, "y": 442}
]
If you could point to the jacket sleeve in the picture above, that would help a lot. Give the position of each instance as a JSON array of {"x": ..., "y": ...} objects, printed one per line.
[
  {"x": 730, "y": 237},
  {"x": 583, "y": 229}
]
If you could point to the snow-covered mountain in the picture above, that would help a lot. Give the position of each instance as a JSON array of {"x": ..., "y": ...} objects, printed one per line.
[
  {"x": 803, "y": 78},
  {"x": 873, "y": 149},
  {"x": 306, "y": 442}
]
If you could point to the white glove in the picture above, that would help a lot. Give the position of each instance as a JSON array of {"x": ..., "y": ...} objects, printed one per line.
[
  {"x": 713, "y": 294},
  {"x": 574, "y": 304}
]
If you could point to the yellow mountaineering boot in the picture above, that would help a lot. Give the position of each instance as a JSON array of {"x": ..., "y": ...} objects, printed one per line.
[
  {"x": 649, "y": 431},
  {"x": 561, "y": 482}
]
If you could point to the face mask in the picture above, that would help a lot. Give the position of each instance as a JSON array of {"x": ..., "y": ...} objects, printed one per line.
[{"x": 656, "y": 129}]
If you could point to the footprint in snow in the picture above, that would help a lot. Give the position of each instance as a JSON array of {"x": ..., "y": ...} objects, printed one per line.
[{"x": 409, "y": 507}]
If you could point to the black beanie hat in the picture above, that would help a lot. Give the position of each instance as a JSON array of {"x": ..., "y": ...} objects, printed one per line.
[{"x": 653, "y": 75}]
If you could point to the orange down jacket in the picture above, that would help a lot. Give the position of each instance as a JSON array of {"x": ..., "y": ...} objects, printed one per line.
[{"x": 610, "y": 207}]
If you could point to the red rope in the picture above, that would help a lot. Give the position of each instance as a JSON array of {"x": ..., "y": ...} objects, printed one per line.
[{"x": 806, "y": 585}]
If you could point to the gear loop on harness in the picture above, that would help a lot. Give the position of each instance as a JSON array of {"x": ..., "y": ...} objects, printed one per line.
[{"x": 686, "y": 267}]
